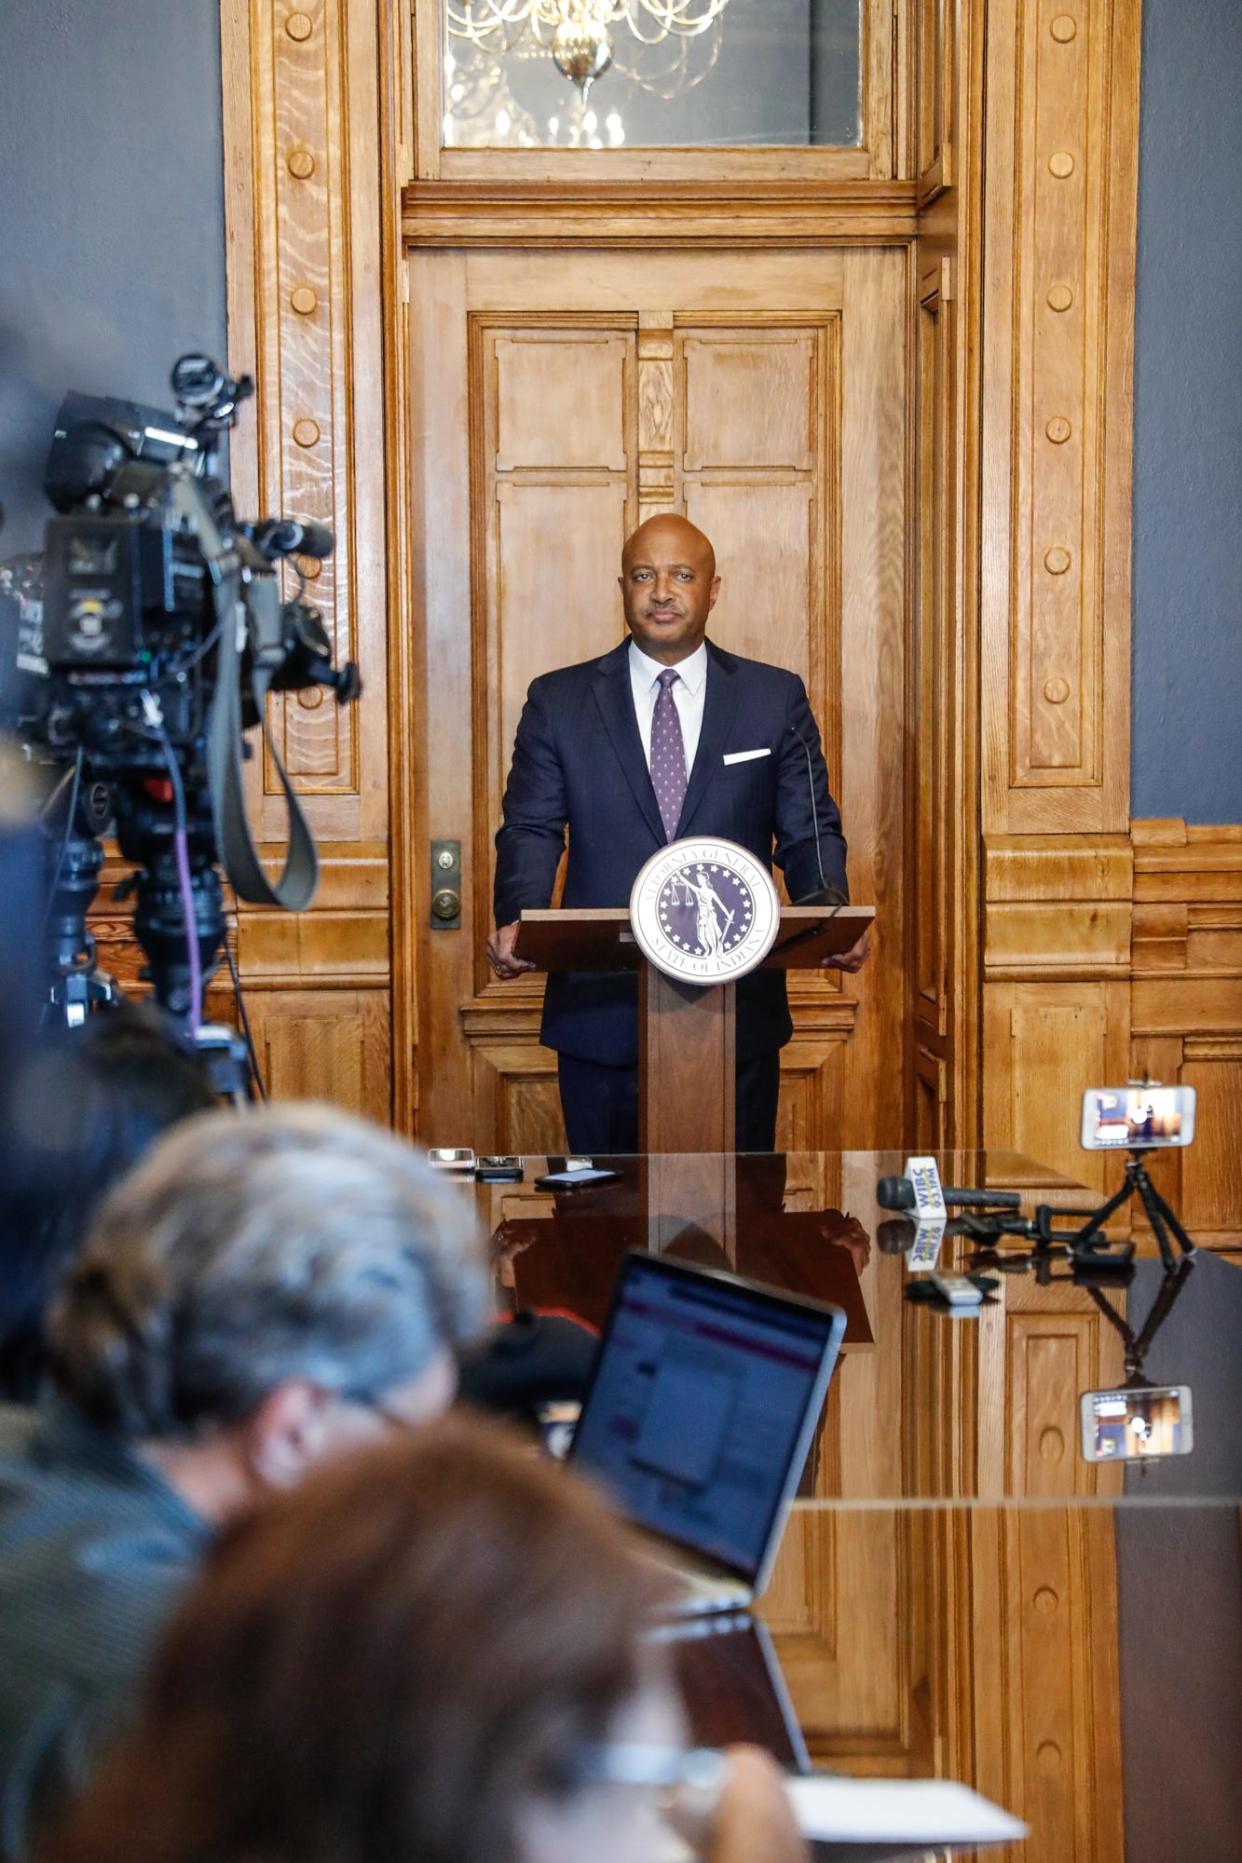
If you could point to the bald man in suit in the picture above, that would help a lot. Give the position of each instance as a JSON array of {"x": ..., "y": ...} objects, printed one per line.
[{"x": 665, "y": 736}]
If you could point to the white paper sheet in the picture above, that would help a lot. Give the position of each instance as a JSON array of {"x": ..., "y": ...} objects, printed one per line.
[{"x": 926, "y": 1811}]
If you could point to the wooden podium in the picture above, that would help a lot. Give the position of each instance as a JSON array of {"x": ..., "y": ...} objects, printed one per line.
[{"x": 686, "y": 1055}]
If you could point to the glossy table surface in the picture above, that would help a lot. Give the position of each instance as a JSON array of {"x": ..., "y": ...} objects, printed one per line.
[
  {"x": 1078, "y": 1664},
  {"x": 960, "y": 1594},
  {"x": 925, "y": 1402}
]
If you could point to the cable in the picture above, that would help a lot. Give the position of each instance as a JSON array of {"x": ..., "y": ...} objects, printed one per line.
[
  {"x": 66, "y": 778},
  {"x": 810, "y": 780},
  {"x": 838, "y": 898},
  {"x": 70, "y": 814},
  {"x": 239, "y": 999},
  {"x": 181, "y": 846}
]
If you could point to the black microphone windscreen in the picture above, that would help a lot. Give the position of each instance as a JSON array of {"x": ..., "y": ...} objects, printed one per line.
[
  {"x": 896, "y": 1235},
  {"x": 895, "y": 1193}
]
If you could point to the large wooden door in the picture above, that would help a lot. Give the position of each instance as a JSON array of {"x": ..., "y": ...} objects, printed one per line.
[{"x": 556, "y": 400}]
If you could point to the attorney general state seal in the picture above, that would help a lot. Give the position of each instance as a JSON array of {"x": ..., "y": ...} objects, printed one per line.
[{"x": 704, "y": 910}]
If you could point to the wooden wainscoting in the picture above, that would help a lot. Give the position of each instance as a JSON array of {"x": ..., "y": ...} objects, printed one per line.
[
  {"x": 1040, "y": 1688},
  {"x": 1108, "y": 958},
  {"x": 1186, "y": 1010}
]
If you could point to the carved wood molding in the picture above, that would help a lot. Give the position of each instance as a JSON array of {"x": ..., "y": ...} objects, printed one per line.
[
  {"x": 1058, "y": 318},
  {"x": 1162, "y": 903},
  {"x": 493, "y": 1018},
  {"x": 1057, "y": 906},
  {"x": 303, "y": 224},
  {"x": 342, "y": 944},
  {"x": 1118, "y": 955},
  {"x": 620, "y": 214}
]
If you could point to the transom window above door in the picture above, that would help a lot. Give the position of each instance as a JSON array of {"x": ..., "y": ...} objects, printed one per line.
[{"x": 654, "y": 74}]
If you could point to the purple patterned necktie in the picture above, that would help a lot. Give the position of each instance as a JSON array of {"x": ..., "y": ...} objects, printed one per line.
[{"x": 668, "y": 754}]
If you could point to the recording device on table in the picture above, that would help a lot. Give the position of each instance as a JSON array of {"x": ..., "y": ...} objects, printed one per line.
[
  {"x": 575, "y": 1174},
  {"x": 1141, "y": 1117},
  {"x": 1139, "y": 1420},
  {"x": 919, "y": 1236},
  {"x": 1138, "y": 1117},
  {"x": 453, "y": 1158},
  {"x": 488, "y": 1168},
  {"x": 143, "y": 644},
  {"x": 507, "y": 1167}
]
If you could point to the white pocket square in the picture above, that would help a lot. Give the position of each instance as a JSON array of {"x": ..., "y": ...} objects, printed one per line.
[{"x": 745, "y": 756}]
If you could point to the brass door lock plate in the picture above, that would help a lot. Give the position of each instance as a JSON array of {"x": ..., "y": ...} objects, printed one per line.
[{"x": 446, "y": 885}]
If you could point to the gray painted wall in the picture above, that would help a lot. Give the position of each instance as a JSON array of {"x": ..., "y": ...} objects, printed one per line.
[
  {"x": 111, "y": 215},
  {"x": 1187, "y": 747},
  {"x": 1179, "y": 1580}
]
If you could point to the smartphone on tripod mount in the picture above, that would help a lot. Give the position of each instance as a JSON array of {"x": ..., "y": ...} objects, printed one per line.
[{"x": 1146, "y": 1117}]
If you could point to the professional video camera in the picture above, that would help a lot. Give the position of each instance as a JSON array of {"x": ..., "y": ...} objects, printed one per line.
[{"x": 147, "y": 640}]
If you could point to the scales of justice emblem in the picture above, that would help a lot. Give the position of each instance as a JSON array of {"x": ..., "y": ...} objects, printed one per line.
[{"x": 704, "y": 910}]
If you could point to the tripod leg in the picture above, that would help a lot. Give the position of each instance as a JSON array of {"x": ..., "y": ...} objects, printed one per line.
[
  {"x": 1084, "y": 1238},
  {"x": 1156, "y": 1213},
  {"x": 1152, "y": 1202}
]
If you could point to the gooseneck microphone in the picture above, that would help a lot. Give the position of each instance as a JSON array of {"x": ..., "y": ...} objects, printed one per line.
[
  {"x": 824, "y": 895},
  {"x": 898, "y": 1193}
]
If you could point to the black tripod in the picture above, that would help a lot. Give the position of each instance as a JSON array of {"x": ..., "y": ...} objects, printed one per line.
[
  {"x": 1162, "y": 1219},
  {"x": 1136, "y": 1346},
  {"x": 77, "y": 985}
]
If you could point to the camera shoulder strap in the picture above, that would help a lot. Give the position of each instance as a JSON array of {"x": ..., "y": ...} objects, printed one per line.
[
  {"x": 235, "y": 846},
  {"x": 296, "y": 887}
]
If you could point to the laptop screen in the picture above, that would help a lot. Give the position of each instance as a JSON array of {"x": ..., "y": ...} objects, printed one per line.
[
  {"x": 703, "y": 1404},
  {"x": 732, "y": 1686}
]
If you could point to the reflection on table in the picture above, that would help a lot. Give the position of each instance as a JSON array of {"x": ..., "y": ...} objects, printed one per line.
[
  {"x": 1079, "y": 1663},
  {"x": 1070, "y": 1643},
  {"x": 924, "y": 1402}
]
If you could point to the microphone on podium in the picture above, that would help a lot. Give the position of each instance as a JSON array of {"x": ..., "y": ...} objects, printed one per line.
[{"x": 825, "y": 894}]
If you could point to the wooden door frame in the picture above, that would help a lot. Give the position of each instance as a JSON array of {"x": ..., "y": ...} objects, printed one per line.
[{"x": 1044, "y": 891}]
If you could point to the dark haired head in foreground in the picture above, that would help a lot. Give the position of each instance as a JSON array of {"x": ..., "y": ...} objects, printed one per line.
[
  {"x": 419, "y": 1654},
  {"x": 257, "y": 1296},
  {"x": 88, "y": 1106}
]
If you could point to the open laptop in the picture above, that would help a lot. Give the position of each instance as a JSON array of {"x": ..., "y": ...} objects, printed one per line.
[
  {"x": 732, "y": 1685},
  {"x": 700, "y": 1415}
]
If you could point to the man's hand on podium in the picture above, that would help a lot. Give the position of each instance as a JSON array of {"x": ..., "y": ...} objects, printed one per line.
[
  {"x": 850, "y": 960},
  {"x": 500, "y": 954}
]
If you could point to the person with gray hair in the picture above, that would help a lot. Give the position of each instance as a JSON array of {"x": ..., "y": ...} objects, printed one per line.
[{"x": 261, "y": 1294}]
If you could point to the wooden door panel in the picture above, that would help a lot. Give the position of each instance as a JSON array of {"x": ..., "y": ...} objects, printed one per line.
[
  {"x": 324, "y": 1044},
  {"x": 750, "y": 399},
  {"x": 515, "y": 1095},
  {"x": 767, "y": 594},
  {"x": 553, "y": 552},
  {"x": 561, "y": 398},
  {"x": 759, "y": 470},
  {"x": 552, "y": 498}
]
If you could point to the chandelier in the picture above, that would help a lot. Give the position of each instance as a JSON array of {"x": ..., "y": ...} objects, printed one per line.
[{"x": 576, "y": 32}]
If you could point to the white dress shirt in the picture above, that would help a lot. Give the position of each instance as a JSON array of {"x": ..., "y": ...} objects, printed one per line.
[{"x": 689, "y": 691}]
